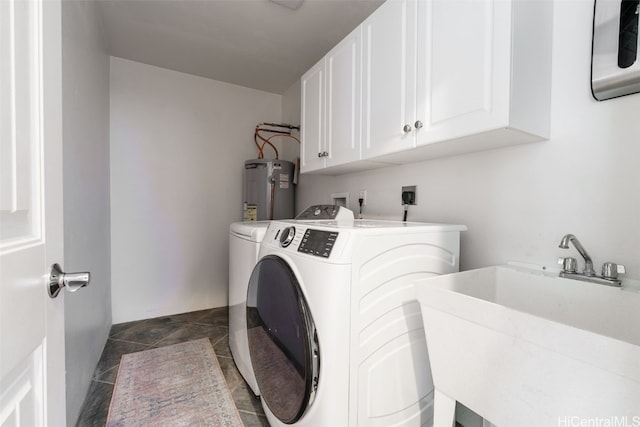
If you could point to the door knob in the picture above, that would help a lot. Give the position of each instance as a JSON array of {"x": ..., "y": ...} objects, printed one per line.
[{"x": 58, "y": 279}]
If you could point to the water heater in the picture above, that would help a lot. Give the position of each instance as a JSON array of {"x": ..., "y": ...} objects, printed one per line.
[{"x": 268, "y": 190}]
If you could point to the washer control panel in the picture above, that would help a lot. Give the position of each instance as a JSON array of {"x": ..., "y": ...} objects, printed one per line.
[{"x": 318, "y": 242}]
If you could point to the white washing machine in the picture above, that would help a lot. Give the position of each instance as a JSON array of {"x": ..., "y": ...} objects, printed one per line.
[
  {"x": 343, "y": 344},
  {"x": 244, "y": 244}
]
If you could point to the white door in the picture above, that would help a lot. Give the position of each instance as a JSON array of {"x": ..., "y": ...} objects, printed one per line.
[
  {"x": 389, "y": 78},
  {"x": 32, "y": 370},
  {"x": 343, "y": 107},
  {"x": 312, "y": 88},
  {"x": 463, "y": 79}
]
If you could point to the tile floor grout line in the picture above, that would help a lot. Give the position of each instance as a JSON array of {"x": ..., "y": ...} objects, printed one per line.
[
  {"x": 210, "y": 324},
  {"x": 220, "y": 339},
  {"x": 131, "y": 342},
  {"x": 166, "y": 337},
  {"x": 244, "y": 411},
  {"x": 95, "y": 377},
  {"x": 104, "y": 382}
]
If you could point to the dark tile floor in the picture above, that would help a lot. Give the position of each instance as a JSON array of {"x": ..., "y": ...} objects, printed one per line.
[{"x": 145, "y": 334}]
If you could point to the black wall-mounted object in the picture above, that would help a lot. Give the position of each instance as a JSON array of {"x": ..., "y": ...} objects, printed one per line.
[
  {"x": 628, "y": 35},
  {"x": 615, "y": 66}
]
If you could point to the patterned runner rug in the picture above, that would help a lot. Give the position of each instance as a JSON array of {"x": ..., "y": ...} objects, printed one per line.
[{"x": 177, "y": 385}]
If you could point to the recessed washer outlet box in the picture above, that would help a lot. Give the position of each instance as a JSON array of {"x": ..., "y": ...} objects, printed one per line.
[{"x": 340, "y": 199}]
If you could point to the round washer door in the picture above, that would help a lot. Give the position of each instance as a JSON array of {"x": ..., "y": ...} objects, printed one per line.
[{"x": 282, "y": 340}]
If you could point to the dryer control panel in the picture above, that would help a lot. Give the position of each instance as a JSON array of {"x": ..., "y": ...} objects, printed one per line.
[
  {"x": 324, "y": 212},
  {"x": 322, "y": 242},
  {"x": 318, "y": 242}
]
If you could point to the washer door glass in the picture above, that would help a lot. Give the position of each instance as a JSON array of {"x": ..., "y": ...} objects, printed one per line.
[{"x": 282, "y": 340}]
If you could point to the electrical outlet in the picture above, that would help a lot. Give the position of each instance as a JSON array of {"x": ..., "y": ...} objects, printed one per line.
[
  {"x": 410, "y": 189},
  {"x": 363, "y": 196}
]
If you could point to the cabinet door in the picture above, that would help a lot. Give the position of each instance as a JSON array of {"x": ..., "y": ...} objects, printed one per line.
[
  {"x": 463, "y": 67},
  {"x": 312, "y": 118},
  {"x": 343, "y": 124},
  {"x": 389, "y": 55}
]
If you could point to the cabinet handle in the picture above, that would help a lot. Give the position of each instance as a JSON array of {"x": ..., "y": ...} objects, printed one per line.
[
  {"x": 418, "y": 124},
  {"x": 406, "y": 128},
  {"x": 323, "y": 154}
]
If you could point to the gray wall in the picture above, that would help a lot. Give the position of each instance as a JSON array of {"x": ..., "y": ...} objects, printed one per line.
[
  {"x": 86, "y": 194},
  {"x": 518, "y": 202},
  {"x": 178, "y": 146}
]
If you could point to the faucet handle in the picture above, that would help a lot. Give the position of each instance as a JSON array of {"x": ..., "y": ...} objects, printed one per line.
[
  {"x": 610, "y": 270},
  {"x": 569, "y": 264}
]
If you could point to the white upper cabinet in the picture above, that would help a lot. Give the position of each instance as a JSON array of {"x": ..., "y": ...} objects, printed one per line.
[
  {"x": 389, "y": 78},
  {"x": 438, "y": 78},
  {"x": 483, "y": 74},
  {"x": 463, "y": 65},
  {"x": 331, "y": 105}
]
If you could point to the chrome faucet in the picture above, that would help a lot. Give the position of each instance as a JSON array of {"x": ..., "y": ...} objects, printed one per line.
[
  {"x": 588, "y": 264},
  {"x": 610, "y": 270}
]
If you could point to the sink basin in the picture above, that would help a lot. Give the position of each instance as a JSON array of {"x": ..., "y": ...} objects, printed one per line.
[{"x": 523, "y": 347}]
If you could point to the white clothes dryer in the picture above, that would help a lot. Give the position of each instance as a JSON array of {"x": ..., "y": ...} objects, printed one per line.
[
  {"x": 343, "y": 343},
  {"x": 244, "y": 245}
]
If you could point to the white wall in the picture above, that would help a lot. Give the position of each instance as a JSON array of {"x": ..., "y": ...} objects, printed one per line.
[
  {"x": 86, "y": 194},
  {"x": 518, "y": 202},
  {"x": 289, "y": 149},
  {"x": 178, "y": 146}
]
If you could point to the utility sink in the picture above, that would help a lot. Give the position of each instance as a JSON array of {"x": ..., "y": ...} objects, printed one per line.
[{"x": 523, "y": 347}]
